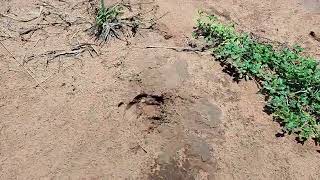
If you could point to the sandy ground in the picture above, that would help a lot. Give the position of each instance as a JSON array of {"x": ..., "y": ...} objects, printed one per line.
[{"x": 130, "y": 112}]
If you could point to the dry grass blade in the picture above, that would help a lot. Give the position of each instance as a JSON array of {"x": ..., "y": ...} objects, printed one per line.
[
  {"x": 27, "y": 70},
  {"x": 24, "y": 20}
]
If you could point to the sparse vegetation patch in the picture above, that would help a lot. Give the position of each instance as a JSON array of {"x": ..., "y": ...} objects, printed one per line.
[
  {"x": 289, "y": 80},
  {"x": 118, "y": 21}
]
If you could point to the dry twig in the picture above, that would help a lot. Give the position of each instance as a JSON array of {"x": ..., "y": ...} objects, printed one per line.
[{"x": 75, "y": 51}]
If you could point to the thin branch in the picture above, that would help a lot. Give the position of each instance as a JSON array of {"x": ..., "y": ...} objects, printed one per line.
[{"x": 75, "y": 51}]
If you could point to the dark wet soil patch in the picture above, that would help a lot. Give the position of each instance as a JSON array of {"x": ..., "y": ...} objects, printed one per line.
[
  {"x": 314, "y": 36},
  {"x": 175, "y": 170},
  {"x": 151, "y": 107},
  {"x": 147, "y": 99},
  {"x": 190, "y": 162}
]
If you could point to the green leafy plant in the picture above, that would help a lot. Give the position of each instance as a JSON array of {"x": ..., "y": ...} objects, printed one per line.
[{"x": 289, "y": 80}]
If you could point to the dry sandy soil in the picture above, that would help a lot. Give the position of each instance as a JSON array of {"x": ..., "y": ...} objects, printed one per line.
[{"x": 131, "y": 112}]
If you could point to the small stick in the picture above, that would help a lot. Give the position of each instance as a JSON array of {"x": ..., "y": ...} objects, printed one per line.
[
  {"x": 24, "y": 68},
  {"x": 19, "y": 20},
  {"x": 178, "y": 49},
  {"x": 144, "y": 150},
  {"x": 157, "y": 19},
  {"x": 141, "y": 3}
]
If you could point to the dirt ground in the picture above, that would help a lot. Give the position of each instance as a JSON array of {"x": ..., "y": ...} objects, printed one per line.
[{"x": 125, "y": 111}]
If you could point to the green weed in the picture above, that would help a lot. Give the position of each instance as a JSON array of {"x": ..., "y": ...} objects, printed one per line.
[
  {"x": 108, "y": 21},
  {"x": 289, "y": 80}
]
